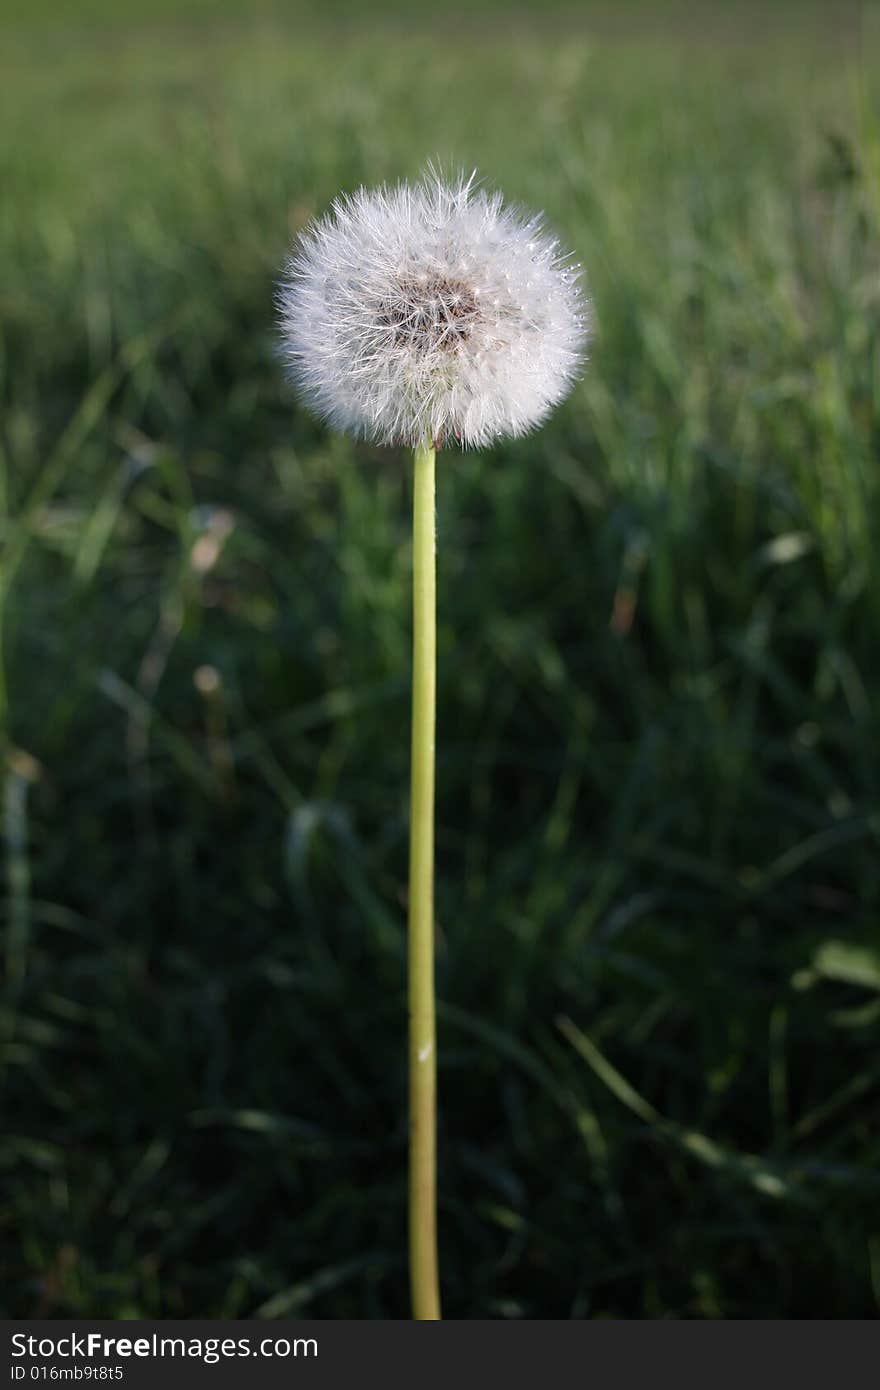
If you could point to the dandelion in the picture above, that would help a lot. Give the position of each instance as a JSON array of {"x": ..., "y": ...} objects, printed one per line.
[
  {"x": 430, "y": 313},
  {"x": 419, "y": 315}
]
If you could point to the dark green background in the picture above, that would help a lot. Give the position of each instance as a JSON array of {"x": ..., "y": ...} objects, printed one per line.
[{"x": 659, "y": 766}]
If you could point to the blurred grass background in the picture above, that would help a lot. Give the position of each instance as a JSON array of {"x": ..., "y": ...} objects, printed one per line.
[{"x": 659, "y": 770}]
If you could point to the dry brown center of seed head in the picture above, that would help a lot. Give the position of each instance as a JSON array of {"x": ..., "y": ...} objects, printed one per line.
[{"x": 430, "y": 313}]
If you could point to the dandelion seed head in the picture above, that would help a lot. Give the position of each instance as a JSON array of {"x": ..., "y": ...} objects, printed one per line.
[{"x": 431, "y": 312}]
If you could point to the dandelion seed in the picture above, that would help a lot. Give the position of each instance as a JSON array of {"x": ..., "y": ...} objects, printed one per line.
[{"x": 390, "y": 303}]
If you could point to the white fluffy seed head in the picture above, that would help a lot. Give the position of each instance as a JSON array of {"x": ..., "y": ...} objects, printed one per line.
[{"x": 431, "y": 312}]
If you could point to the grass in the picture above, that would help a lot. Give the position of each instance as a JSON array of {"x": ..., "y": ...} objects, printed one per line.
[{"x": 659, "y": 768}]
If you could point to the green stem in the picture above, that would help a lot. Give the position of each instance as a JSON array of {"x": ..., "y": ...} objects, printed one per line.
[{"x": 422, "y": 1049}]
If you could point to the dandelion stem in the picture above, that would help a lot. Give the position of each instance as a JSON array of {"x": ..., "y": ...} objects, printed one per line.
[{"x": 422, "y": 1051}]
